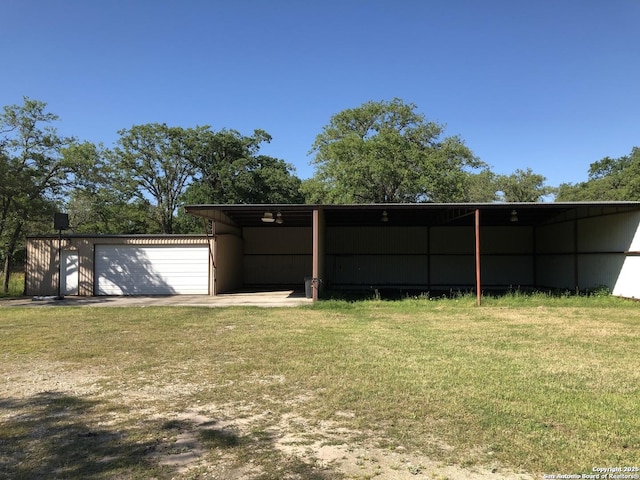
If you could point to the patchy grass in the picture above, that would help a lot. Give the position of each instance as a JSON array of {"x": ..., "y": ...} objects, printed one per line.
[{"x": 531, "y": 384}]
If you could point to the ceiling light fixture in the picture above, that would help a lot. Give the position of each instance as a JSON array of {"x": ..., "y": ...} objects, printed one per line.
[{"x": 268, "y": 217}]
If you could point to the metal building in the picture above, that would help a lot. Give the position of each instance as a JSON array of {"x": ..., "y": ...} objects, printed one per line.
[
  {"x": 118, "y": 265},
  {"x": 428, "y": 247},
  {"x": 418, "y": 247}
]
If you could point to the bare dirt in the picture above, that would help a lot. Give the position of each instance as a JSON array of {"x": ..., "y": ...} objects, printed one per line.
[{"x": 332, "y": 451}]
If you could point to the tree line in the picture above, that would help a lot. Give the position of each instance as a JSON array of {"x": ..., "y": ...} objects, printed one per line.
[{"x": 379, "y": 152}]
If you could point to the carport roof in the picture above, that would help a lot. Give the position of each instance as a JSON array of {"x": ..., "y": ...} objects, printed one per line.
[{"x": 409, "y": 214}]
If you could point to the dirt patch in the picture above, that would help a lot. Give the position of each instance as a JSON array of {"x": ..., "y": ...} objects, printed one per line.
[{"x": 226, "y": 440}]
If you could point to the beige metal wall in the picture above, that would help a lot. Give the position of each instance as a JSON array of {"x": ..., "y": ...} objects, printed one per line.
[
  {"x": 628, "y": 281},
  {"x": 277, "y": 255},
  {"x": 507, "y": 259},
  {"x": 41, "y": 273},
  {"x": 228, "y": 263},
  {"x": 376, "y": 256},
  {"x": 591, "y": 253},
  {"x": 555, "y": 261}
]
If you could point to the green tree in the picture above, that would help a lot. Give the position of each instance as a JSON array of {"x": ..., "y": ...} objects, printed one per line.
[
  {"x": 481, "y": 187},
  {"x": 157, "y": 160},
  {"x": 522, "y": 186},
  {"x": 609, "y": 179},
  {"x": 105, "y": 201},
  {"x": 385, "y": 152},
  {"x": 231, "y": 170},
  {"x": 35, "y": 175}
]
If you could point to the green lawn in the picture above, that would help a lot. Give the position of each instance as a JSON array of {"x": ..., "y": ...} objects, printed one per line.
[{"x": 532, "y": 385}]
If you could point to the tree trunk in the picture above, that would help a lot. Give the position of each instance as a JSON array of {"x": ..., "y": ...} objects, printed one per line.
[
  {"x": 5, "y": 274},
  {"x": 9, "y": 255}
]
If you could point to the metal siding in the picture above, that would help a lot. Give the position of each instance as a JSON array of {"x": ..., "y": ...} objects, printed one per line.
[
  {"x": 508, "y": 270},
  {"x": 150, "y": 241},
  {"x": 599, "y": 270},
  {"x": 557, "y": 238},
  {"x": 277, "y": 239},
  {"x": 453, "y": 270},
  {"x": 511, "y": 239},
  {"x": 612, "y": 233},
  {"x": 228, "y": 259},
  {"x": 377, "y": 240},
  {"x": 628, "y": 283},
  {"x": 450, "y": 240},
  {"x": 634, "y": 225},
  {"x": 555, "y": 271},
  {"x": 276, "y": 254},
  {"x": 41, "y": 267},
  {"x": 276, "y": 269},
  {"x": 380, "y": 270},
  {"x": 151, "y": 270}
]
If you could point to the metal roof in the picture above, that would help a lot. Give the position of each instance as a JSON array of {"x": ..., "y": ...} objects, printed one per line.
[{"x": 409, "y": 214}]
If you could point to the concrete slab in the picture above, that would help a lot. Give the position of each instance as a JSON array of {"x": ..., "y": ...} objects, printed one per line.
[{"x": 280, "y": 298}]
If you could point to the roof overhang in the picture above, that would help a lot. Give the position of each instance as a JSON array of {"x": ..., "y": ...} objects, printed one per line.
[{"x": 409, "y": 214}]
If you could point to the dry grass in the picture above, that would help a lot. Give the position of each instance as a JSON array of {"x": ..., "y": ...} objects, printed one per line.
[{"x": 396, "y": 388}]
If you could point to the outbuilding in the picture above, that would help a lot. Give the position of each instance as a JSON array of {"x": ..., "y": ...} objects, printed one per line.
[
  {"x": 402, "y": 247},
  {"x": 118, "y": 265}
]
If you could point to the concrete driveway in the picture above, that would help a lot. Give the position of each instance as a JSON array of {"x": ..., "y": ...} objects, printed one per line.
[{"x": 280, "y": 298}]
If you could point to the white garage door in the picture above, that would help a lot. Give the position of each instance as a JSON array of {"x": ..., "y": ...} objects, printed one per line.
[{"x": 151, "y": 270}]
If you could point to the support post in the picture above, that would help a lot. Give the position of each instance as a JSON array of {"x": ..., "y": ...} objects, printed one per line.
[
  {"x": 60, "y": 296},
  {"x": 317, "y": 252},
  {"x": 478, "y": 284},
  {"x": 315, "y": 270},
  {"x": 576, "y": 260}
]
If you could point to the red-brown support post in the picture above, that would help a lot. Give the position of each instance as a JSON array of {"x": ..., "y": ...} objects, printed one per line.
[
  {"x": 315, "y": 262},
  {"x": 478, "y": 284}
]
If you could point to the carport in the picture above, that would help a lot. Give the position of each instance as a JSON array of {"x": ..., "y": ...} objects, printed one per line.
[{"x": 426, "y": 247}]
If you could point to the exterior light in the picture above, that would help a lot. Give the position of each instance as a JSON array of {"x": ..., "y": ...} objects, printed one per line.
[
  {"x": 268, "y": 217},
  {"x": 385, "y": 217},
  {"x": 279, "y": 218},
  {"x": 514, "y": 216}
]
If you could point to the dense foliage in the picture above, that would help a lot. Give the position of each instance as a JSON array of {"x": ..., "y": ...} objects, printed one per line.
[
  {"x": 385, "y": 152},
  {"x": 609, "y": 179}
]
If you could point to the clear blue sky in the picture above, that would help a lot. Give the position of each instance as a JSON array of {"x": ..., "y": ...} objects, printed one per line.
[{"x": 549, "y": 84}]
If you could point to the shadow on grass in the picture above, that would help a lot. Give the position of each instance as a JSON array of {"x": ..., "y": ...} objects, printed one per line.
[
  {"x": 51, "y": 435},
  {"x": 56, "y": 435}
]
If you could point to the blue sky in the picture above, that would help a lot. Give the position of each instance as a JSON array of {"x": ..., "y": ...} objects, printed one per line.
[{"x": 553, "y": 85}]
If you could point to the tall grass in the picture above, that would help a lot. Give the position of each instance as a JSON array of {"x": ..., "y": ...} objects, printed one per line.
[{"x": 16, "y": 285}]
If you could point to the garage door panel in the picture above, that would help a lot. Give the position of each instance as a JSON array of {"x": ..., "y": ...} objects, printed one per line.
[{"x": 155, "y": 270}]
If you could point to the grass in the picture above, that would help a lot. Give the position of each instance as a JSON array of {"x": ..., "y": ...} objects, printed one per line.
[
  {"x": 533, "y": 383},
  {"x": 16, "y": 285}
]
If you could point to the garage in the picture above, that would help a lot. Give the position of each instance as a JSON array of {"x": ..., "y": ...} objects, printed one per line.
[
  {"x": 151, "y": 270},
  {"x": 88, "y": 265}
]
